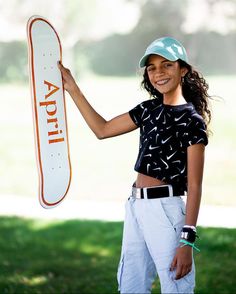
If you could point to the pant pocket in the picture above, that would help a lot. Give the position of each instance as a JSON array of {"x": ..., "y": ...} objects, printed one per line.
[
  {"x": 120, "y": 272},
  {"x": 187, "y": 283},
  {"x": 174, "y": 211}
]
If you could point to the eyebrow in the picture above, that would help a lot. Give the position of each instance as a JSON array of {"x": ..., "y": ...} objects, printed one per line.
[{"x": 163, "y": 61}]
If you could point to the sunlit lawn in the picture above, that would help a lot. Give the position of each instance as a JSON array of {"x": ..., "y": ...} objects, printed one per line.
[
  {"x": 108, "y": 164},
  {"x": 82, "y": 256}
]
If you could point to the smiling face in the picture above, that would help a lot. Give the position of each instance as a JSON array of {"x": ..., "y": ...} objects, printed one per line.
[{"x": 165, "y": 76}]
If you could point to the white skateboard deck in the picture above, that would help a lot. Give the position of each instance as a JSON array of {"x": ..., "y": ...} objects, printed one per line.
[{"x": 49, "y": 112}]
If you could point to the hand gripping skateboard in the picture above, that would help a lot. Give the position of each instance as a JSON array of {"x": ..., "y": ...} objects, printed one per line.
[{"x": 49, "y": 112}]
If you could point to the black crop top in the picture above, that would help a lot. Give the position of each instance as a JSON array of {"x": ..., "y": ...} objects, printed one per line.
[{"x": 165, "y": 133}]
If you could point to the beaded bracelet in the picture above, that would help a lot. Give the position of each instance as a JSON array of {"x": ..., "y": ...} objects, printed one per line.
[{"x": 189, "y": 244}]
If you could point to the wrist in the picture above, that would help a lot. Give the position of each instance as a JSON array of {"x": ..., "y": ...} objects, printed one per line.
[
  {"x": 189, "y": 233},
  {"x": 185, "y": 243},
  {"x": 188, "y": 236},
  {"x": 183, "y": 247},
  {"x": 75, "y": 91}
]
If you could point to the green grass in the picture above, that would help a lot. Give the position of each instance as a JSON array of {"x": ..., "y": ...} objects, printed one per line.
[
  {"x": 109, "y": 163},
  {"x": 81, "y": 257}
]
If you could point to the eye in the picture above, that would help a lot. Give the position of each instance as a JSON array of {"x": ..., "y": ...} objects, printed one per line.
[
  {"x": 150, "y": 68},
  {"x": 168, "y": 64}
]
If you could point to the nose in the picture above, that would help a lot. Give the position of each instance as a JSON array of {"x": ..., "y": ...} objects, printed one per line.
[{"x": 159, "y": 71}]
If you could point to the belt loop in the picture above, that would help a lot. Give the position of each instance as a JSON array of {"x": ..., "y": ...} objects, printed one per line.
[
  {"x": 136, "y": 193},
  {"x": 170, "y": 191},
  {"x": 145, "y": 196}
]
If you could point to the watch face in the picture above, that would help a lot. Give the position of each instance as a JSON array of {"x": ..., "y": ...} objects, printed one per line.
[
  {"x": 188, "y": 236},
  {"x": 184, "y": 235}
]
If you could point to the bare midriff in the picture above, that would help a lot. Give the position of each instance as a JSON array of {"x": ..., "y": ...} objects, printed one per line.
[{"x": 143, "y": 181}]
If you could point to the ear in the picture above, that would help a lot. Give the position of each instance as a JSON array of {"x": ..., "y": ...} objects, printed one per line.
[{"x": 184, "y": 70}]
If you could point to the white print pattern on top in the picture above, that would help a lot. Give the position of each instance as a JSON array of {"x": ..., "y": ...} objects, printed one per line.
[{"x": 163, "y": 144}]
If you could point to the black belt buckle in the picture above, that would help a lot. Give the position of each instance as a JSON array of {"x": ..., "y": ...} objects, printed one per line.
[
  {"x": 153, "y": 192},
  {"x": 160, "y": 192}
]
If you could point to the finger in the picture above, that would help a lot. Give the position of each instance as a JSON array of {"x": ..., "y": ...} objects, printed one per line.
[
  {"x": 173, "y": 264},
  {"x": 185, "y": 272},
  {"x": 59, "y": 64},
  {"x": 182, "y": 272},
  {"x": 187, "y": 268},
  {"x": 61, "y": 67},
  {"x": 178, "y": 275},
  {"x": 179, "y": 272}
]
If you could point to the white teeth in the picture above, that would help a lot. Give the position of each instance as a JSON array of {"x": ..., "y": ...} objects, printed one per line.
[{"x": 162, "y": 82}]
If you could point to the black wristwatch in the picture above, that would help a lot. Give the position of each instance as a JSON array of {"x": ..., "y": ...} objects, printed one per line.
[{"x": 188, "y": 234}]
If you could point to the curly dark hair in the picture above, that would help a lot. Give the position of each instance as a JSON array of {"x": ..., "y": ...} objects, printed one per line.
[{"x": 194, "y": 89}]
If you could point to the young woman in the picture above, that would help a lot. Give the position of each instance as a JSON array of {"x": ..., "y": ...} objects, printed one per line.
[{"x": 159, "y": 230}]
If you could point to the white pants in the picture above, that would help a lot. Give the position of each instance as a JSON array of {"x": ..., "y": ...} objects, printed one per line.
[{"x": 151, "y": 235}]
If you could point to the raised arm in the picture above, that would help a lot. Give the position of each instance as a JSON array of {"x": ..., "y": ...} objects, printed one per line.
[{"x": 102, "y": 129}]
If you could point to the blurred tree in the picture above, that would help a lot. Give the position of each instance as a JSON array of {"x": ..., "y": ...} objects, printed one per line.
[
  {"x": 215, "y": 15},
  {"x": 119, "y": 54},
  {"x": 13, "y": 58},
  {"x": 74, "y": 20},
  {"x": 210, "y": 36},
  {"x": 224, "y": 16},
  {"x": 206, "y": 41},
  {"x": 110, "y": 36},
  {"x": 211, "y": 52},
  {"x": 61, "y": 13}
]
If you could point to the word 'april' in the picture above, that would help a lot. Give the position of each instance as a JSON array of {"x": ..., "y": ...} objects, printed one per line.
[{"x": 54, "y": 135}]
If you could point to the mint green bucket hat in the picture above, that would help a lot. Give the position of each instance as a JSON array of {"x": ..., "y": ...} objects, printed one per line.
[{"x": 167, "y": 47}]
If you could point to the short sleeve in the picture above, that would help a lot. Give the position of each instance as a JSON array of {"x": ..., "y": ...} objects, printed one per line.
[
  {"x": 142, "y": 111},
  {"x": 137, "y": 114},
  {"x": 197, "y": 132}
]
